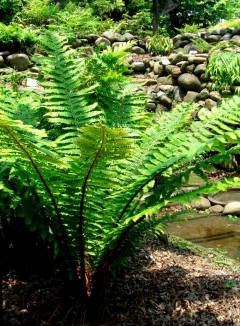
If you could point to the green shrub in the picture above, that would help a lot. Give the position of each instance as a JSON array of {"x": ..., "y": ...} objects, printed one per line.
[
  {"x": 194, "y": 28},
  {"x": 8, "y": 8},
  {"x": 160, "y": 44},
  {"x": 38, "y": 12},
  {"x": 74, "y": 20},
  {"x": 16, "y": 37},
  {"x": 203, "y": 45},
  {"x": 232, "y": 23}
]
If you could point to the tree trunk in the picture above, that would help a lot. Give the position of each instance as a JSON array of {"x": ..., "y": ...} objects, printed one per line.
[{"x": 155, "y": 17}]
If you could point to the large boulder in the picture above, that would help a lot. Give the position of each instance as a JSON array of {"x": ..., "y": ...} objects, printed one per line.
[
  {"x": 189, "y": 82},
  {"x": 232, "y": 208},
  {"x": 19, "y": 61}
]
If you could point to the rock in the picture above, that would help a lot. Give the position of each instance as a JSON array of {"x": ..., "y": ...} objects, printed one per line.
[
  {"x": 34, "y": 69},
  {"x": 213, "y": 38},
  {"x": 158, "y": 68},
  {"x": 2, "y": 62},
  {"x": 215, "y": 209},
  {"x": 150, "y": 82},
  {"x": 151, "y": 106},
  {"x": 189, "y": 36},
  {"x": 137, "y": 50},
  {"x": 33, "y": 83},
  {"x": 92, "y": 37},
  {"x": 226, "y": 37},
  {"x": 191, "y": 48},
  {"x": 181, "y": 43},
  {"x": 179, "y": 94},
  {"x": 176, "y": 72},
  {"x": 202, "y": 203},
  {"x": 129, "y": 37},
  {"x": 204, "y": 94},
  {"x": 5, "y": 53},
  {"x": 166, "y": 88},
  {"x": 165, "y": 61},
  {"x": 178, "y": 58},
  {"x": 168, "y": 69},
  {"x": 102, "y": 40},
  {"x": 232, "y": 208},
  {"x": 165, "y": 100},
  {"x": 177, "y": 38},
  {"x": 196, "y": 60},
  {"x": 236, "y": 31},
  {"x": 118, "y": 44},
  {"x": 190, "y": 68},
  {"x": 167, "y": 80},
  {"x": 215, "y": 96},
  {"x": 18, "y": 61},
  {"x": 210, "y": 103},
  {"x": 119, "y": 38},
  {"x": 190, "y": 97},
  {"x": 109, "y": 35},
  {"x": 138, "y": 66},
  {"x": 184, "y": 67},
  {"x": 189, "y": 82},
  {"x": 236, "y": 39},
  {"x": 200, "y": 69}
]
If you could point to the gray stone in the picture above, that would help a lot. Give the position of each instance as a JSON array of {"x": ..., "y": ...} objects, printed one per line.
[
  {"x": 200, "y": 69},
  {"x": 138, "y": 66},
  {"x": 165, "y": 61},
  {"x": 102, "y": 40},
  {"x": 213, "y": 38},
  {"x": 189, "y": 36},
  {"x": 167, "y": 80},
  {"x": 190, "y": 97},
  {"x": 204, "y": 77},
  {"x": 177, "y": 38},
  {"x": 189, "y": 82},
  {"x": 223, "y": 31},
  {"x": 109, "y": 35},
  {"x": 204, "y": 94},
  {"x": 178, "y": 58},
  {"x": 216, "y": 32},
  {"x": 30, "y": 82},
  {"x": 168, "y": 69},
  {"x": 184, "y": 67},
  {"x": 215, "y": 96},
  {"x": 119, "y": 38},
  {"x": 201, "y": 203},
  {"x": 232, "y": 208},
  {"x": 181, "y": 43},
  {"x": 190, "y": 68},
  {"x": 226, "y": 37},
  {"x": 2, "y": 62},
  {"x": 166, "y": 88},
  {"x": 210, "y": 103},
  {"x": 150, "y": 82},
  {"x": 5, "y": 53},
  {"x": 179, "y": 94},
  {"x": 92, "y": 37},
  {"x": 236, "y": 39},
  {"x": 197, "y": 60},
  {"x": 176, "y": 72},
  {"x": 118, "y": 44},
  {"x": 19, "y": 61},
  {"x": 160, "y": 108},
  {"x": 191, "y": 48},
  {"x": 151, "y": 106},
  {"x": 129, "y": 36},
  {"x": 236, "y": 31},
  {"x": 34, "y": 69},
  {"x": 215, "y": 209},
  {"x": 158, "y": 68},
  {"x": 164, "y": 99},
  {"x": 137, "y": 50}
]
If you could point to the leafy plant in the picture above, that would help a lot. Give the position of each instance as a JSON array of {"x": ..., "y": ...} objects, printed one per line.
[
  {"x": 38, "y": 12},
  {"x": 15, "y": 36},
  {"x": 84, "y": 183},
  {"x": 223, "y": 67},
  {"x": 203, "y": 45},
  {"x": 194, "y": 28},
  {"x": 160, "y": 44},
  {"x": 8, "y": 8}
]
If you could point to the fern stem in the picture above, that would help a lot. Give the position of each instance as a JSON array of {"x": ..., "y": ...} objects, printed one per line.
[
  {"x": 37, "y": 170},
  {"x": 81, "y": 216}
]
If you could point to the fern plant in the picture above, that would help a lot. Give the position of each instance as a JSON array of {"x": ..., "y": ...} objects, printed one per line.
[
  {"x": 160, "y": 44},
  {"x": 85, "y": 181},
  {"x": 223, "y": 67}
]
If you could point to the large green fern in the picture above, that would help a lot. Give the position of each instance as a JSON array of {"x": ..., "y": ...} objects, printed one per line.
[{"x": 88, "y": 177}]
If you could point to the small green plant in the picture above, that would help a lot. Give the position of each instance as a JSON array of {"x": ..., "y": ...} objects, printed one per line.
[
  {"x": 230, "y": 285},
  {"x": 194, "y": 28},
  {"x": 38, "y": 12},
  {"x": 223, "y": 67},
  {"x": 14, "y": 36},
  {"x": 232, "y": 23},
  {"x": 232, "y": 218},
  {"x": 160, "y": 44},
  {"x": 203, "y": 45}
]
